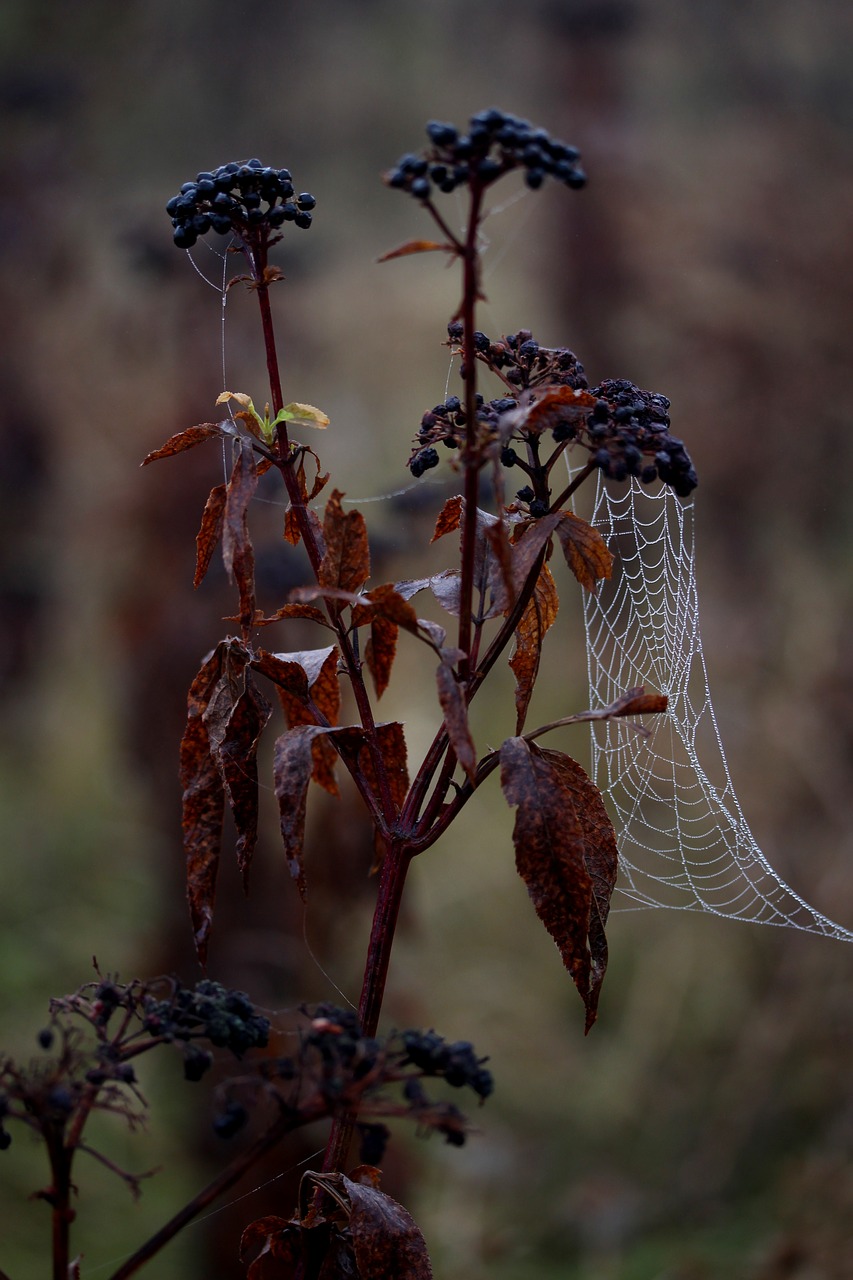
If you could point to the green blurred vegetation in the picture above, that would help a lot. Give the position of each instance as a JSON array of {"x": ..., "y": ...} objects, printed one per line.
[{"x": 705, "y": 1128}]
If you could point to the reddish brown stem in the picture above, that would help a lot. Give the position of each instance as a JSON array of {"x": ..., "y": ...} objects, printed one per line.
[
  {"x": 471, "y": 458},
  {"x": 286, "y": 1123},
  {"x": 392, "y": 879}
]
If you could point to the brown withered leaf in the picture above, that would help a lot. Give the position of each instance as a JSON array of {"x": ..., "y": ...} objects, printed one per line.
[
  {"x": 448, "y": 518},
  {"x": 455, "y": 708},
  {"x": 502, "y": 579},
  {"x": 238, "y": 763},
  {"x": 234, "y": 718},
  {"x": 491, "y": 560},
  {"x": 380, "y": 651},
  {"x": 346, "y": 564},
  {"x": 283, "y": 671},
  {"x": 386, "y": 1240},
  {"x": 320, "y": 669},
  {"x": 203, "y": 804},
  {"x": 209, "y": 532},
  {"x": 293, "y": 766},
  {"x": 351, "y": 742},
  {"x": 586, "y": 552},
  {"x": 237, "y": 551},
  {"x": 389, "y": 603},
  {"x": 445, "y": 587},
  {"x": 536, "y": 620},
  {"x": 553, "y": 406},
  {"x": 392, "y": 744},
  {"x": 280, "y": 1244},
  {"x": 565, "y": 851},
  {"x": 292, "y": 533},
  {"x": 416, "y": 246},
  {"x": 636, "y": 702},
  {"x": 308, "y": 611},
  {"x": 528, "y": 544},
  {"x": 187, "y": 439}
]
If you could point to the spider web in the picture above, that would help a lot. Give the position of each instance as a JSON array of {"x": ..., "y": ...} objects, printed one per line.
[{"x": 683, "y": 840}]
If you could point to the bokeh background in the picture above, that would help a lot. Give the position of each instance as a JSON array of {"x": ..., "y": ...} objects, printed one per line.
[{"x": 705, "y": 1128}]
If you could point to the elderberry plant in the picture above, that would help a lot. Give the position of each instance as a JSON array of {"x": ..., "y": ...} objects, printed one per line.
[{"x": 500, "y": 598}]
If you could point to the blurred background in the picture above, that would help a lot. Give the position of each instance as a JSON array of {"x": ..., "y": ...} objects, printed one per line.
[{"x": 705, "y": 1127}]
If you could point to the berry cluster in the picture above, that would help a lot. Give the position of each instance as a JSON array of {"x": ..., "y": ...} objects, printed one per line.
[
  {"x": 456, "y": 1062},
  {"x": 519, "y": 360},
  {"x": 226, "y": 1018},
  {"x": 495, "y": 143},
  {"x": 627, "y": 434},
  {"x": 625, "y": 429},
  {"x": 231, "y": 198}
]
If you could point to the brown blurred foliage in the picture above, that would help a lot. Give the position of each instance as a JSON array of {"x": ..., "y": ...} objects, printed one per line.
[{"x": 706, "y": 1125}]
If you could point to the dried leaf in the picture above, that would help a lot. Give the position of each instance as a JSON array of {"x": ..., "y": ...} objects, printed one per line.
[
  {"x": 187, "y": 439},
  {"x": 280, "y": 1252},
  {"x": 293, "y": 765},
  {"x": 636, "y": 702},
  {"x": 416, "y": 246},
  {"x": 307, "y": 611},
  {"x": 553, "y": 406},
  {"x": 536, "y": 620},
  {"x": 283, "y": 671},
  {"x": 566, "y": 855},
  {"x": 238, "y": 763},
  {"x": 320, "y": 670},
  {"x": 451, "y": 695},
  {"x": 586, "y": 552},
  {"x": 529, "y": 543},
  {"x": 237, "y": 551},
  {"x": 388, "y": 602},
  {"x": 346, "y": 564},
  {"x": 501, "y": 568},
  {"x": 446, "y": 588},
  {"x": 386, "y": 1240},
  {"x": 203, "y": 804},
  {"x": 209, "y": 532},
  {"x": 380, "y": 651},
  {"x": 234, "y": 718},
  {"x": 448, "y": 517}
]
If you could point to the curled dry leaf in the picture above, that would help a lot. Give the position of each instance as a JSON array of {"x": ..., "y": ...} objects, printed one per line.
[
  {"x": 586, "y": 552},
  {"x": 416, "y": 246},
  {"x": 293, "y": 766},
  {"x": 565, "y": 850},
  {"x": 448, "y": 518},
  {"x": 235, "y": 716},
  {"x": 203, "y": 804},
  {"x": 538, "y": 617},
  {"x": 237, "y": 551},
  {"x": 209, "y": 532},
  {"x": 187, "y": 439},
  {"x": 386, "y": 1239},
  {"x": 451, "y": 695},
  {"x": 346, "y": 563},
  {"x": 319, "y": 685}
]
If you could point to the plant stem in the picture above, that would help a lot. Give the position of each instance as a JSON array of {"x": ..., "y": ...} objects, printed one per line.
[
  {"x": 471, "y": 457},
  {"x": 392, "y": 879},
  {"x": 286, "y": 1123},
  {"x": 62, "y": 1214}
]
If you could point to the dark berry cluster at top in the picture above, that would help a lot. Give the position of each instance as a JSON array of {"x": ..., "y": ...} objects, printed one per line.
[
  {"x": 210, "y": 1011},
  {"x": 495, "y": 143},
  {"x": 624, "y": 429},
  {"x": 242, "y": 198}
]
